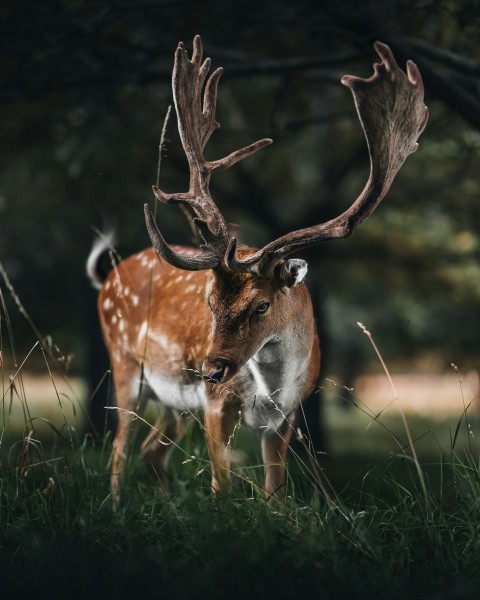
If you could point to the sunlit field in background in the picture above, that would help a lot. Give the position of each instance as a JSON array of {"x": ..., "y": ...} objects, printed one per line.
[
  {"x": 442, "y": 411},
  {"x": 362, "y": 419},
  {"x": 48, "y": 398}
]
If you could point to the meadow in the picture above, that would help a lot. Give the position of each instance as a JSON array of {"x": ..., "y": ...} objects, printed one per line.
[{"x": 391, "y": 507}]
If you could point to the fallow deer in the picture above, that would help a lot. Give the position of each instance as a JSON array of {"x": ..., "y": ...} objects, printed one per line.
[{"x": 231, "y": 330}]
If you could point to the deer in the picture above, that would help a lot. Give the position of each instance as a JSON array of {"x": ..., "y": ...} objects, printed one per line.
[{"x": 228, "y": 329}]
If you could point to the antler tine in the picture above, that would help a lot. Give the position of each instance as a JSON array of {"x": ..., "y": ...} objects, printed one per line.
[
  {"x": 196, "y": 123},
  {"x": 393, "y": 115},
  {"x": 204, "y": 261}
]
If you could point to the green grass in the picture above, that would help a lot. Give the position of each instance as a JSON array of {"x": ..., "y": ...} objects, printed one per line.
[
  {"x": 357, "y": 522},
  {"x": 378, "y": 535}
]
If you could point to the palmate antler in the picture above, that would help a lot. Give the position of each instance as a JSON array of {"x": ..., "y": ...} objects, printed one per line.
[
  {"x": 392, "y": 114},
  {"x": 196, "y": 123}
]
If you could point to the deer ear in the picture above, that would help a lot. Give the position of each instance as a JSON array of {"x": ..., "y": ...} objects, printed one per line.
[{"x": 293, "y": 271}]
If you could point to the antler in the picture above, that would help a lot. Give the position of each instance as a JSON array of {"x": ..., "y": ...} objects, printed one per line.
[
  {"x": 196, "y": 123},
  {"x": 393, "y": 115}
]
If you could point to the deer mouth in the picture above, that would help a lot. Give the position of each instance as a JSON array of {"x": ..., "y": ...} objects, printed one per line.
[{"x": 218, "y": 369}]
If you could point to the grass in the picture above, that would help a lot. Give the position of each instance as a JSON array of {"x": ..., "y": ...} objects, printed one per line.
[
  {"x": 381, "y": 533},
  {"x": 58, "y": 531},
  {"x": 368, "y": 520}
]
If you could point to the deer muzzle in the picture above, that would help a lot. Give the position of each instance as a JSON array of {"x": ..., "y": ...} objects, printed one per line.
[{"x": 218, "y": 369}]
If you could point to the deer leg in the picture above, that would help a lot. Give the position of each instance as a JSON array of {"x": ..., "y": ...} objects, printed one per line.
[
  {"x": 219, "y": 426},
  {"x": 118, "y": 457},
  {"x": 274, "y": 453},
  {"x": 125, "y": 377},
  {"x": 168, "y": 430}
]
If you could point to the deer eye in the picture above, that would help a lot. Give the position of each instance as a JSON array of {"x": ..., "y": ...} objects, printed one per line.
[{"x": 262, "y": 308}]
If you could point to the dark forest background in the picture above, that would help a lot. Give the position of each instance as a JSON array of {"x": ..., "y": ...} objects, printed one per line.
[{"x": 84, "y": 87}]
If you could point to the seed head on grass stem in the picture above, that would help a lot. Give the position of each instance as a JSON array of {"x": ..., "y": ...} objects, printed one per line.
[{"x": 397, "y": 400}]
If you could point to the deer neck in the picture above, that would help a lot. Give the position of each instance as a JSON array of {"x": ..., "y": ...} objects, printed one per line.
[
  {"x": 291, "y": 349},
  {"x": 279, "y": 371}
]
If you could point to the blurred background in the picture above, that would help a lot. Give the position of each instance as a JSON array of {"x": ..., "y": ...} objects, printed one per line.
[{"x": 84, "y": 90}]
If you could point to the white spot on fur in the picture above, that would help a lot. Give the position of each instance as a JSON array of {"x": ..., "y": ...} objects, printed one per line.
[
  {"x": 135, "y": 300},
  {"x": 143, "y": 331},
  {"x": 107, "y": 304},
  {"x": 170, "y": 348},
  {"x": 114, "y": 319}
]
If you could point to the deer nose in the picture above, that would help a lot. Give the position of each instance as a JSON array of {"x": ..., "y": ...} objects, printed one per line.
[{"x": 217, "y": 369}]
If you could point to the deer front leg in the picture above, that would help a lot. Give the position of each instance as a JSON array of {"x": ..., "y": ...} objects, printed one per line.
[
  {"x": 274, "y": 453},
  {"x": 220, "y": 417}
]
